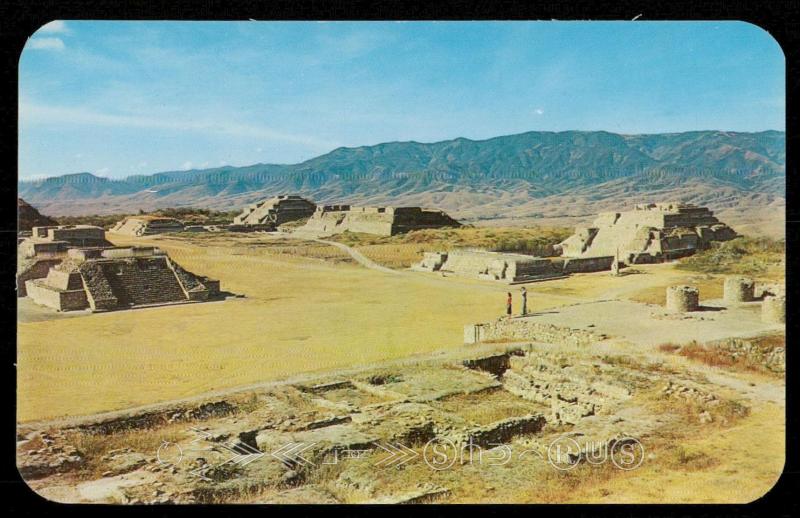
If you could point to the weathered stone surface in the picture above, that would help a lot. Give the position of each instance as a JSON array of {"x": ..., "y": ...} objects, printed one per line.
[
  {"x": 502, "y": 431},
  {"x": 496, "y": 266},
  {"x": 382, "y": 221},
  {"x": 111, "y": 278},
  {"x": 146, "y": 225},
  {"x": 738, "y": 289},
  {"x": 529, "y": 329},
  {"x": 773, "y": 309},
  {"x": 650, "y": 232},
  {"x": 310, "y": 494},
  {"x": 123, "y": 461},
  {"x": 422, "y": 494},
  {"x": 681, "y": 299},
  {"x": 274, "y": 211},
  {"x": 56, "y": 456}
]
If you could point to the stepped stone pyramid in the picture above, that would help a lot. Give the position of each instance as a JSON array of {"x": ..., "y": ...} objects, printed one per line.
[
  {"x": 103, "y": 279},
  {"x": 275, "y": 211},
  {"x": 650, "y": 233}
]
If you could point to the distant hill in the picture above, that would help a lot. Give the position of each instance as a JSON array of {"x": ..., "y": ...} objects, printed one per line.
[
  {"x": 533, "y": 174},
  {"x": 28, "y": 217}
]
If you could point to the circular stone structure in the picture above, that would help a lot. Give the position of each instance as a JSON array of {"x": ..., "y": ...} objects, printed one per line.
[
  {"x": 773, "y": 309},
  {"x": 739, "y": 289},
  {"x": 681, "y": 299}
]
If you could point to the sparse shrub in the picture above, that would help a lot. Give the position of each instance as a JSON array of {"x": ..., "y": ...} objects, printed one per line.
[
  {"x": 743, "y": 255},
  {"x": 668, "y": 347}
]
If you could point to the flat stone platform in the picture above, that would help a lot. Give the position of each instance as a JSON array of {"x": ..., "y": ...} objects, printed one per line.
[{"x": 649, "y": 324}]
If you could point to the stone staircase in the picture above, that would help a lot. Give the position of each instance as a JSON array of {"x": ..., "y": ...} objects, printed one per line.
[{"x": 141, "y": 281}]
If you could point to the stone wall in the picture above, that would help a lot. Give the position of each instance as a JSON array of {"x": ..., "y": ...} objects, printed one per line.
[
  {"x": 32, "y": 269},
  {"x": 586, "y": 264},
  {"x": 524, "y": 329},
  {"x": 496, "y": 266},
  {"x": 60, "y": 300},
  {"x": 507, "y": 267}
]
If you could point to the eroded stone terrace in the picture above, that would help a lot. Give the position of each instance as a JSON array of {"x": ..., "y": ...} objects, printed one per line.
[{"x": 295, "y": 441}]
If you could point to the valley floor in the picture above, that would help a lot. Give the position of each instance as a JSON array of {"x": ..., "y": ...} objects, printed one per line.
[{"x": 298, "y": 314}]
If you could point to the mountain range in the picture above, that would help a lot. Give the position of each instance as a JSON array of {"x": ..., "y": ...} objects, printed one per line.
[{"x": 550, "y": 175}]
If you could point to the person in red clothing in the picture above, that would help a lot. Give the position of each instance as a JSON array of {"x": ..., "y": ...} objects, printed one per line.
[{"x": 508, "y": 306}]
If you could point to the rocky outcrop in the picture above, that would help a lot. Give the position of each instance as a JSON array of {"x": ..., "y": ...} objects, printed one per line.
[{"x": 28, "y": 217}]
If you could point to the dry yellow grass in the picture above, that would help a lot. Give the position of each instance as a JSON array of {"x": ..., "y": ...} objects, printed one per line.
[{"x": 299, "y": 315}]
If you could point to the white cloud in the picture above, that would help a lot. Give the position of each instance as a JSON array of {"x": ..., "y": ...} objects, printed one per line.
[
  {"x": 54, "y": 27},
  {"x": 102, "y": 171},
  {"x": 32, "y": 113},
  {"x": 186, "y": 165},
  {"x": 539, "y": 111},
  {"x": 46, "y": 44}
]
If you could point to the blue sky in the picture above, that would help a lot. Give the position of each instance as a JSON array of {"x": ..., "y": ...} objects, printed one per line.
[{"x": 122, "y": 98}]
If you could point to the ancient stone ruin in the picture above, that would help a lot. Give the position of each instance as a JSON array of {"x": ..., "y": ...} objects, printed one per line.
[
  {"x": 738, "y": 289},
  {"x": 508, "y": 267},
  {"x": 773, "y": 309},
  {"x": 103, "y": 279},
  {"x": 681, "y": 299},
  {"x": 650, "y": 233},
  {"x": 382, "y": 221},
  {"x": 275, "y": 211},
  {"x": 495, "y": 266},
  {"x": 47, "y": 246},
  {"x": 147, "y": 225}
]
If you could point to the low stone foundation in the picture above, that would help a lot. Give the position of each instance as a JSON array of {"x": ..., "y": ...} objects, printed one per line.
[
  {"x": 501, "y": 432},
  {"x": 526, "y": 329}
]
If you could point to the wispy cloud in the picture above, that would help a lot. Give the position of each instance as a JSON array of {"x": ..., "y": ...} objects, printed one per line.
[
  {"x": 54, "y": 27},
  {"x": 32, "y": 113},
  {"x": 46, "y": 44}
]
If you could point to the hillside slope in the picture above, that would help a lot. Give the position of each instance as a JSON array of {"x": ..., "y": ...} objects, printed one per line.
[{"x": 534, "y": 174}]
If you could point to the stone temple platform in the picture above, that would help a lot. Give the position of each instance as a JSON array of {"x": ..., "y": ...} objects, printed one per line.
[
  {"x": 110, "y": 278},
  {"x": 642, "y": 324}
]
